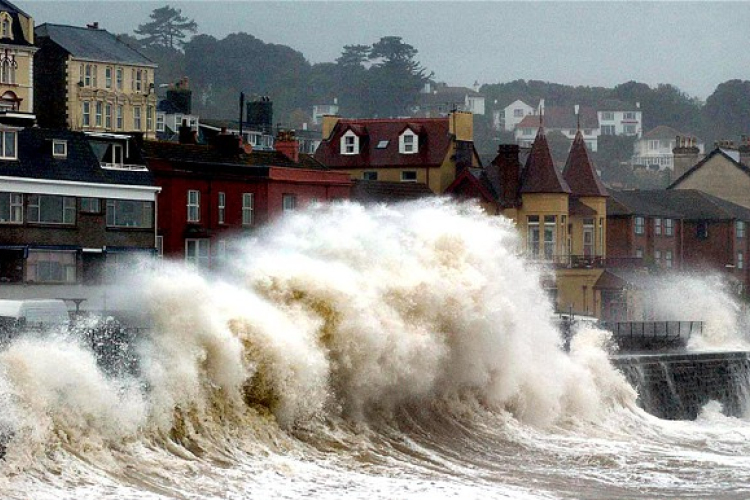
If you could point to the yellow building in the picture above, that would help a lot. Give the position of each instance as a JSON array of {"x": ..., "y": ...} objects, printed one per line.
[
  {"x": 561, "y": 217},
  {"x": 16, "y": 59},
  {"x": 422, "y": 150},
  {"x": 89, "y": 80}
]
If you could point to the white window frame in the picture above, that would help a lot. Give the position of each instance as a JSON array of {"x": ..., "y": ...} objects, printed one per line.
[
  {"x": 115, "y": 206},
  {"x": 108, "y": 77},
  {"x": 59, "y": 143},
  {"x": 119, "y": 117},
  {"x": 408, "y": 143},
  {"x": 533, "y": 237},
  {"x": 108, "y": 116},
  {"x": 668, "y": 227},
  {"x": 119, "y": 78},
  {"x": 222, "y": 206},
  {"x": 640, "y": 224},
  {"x": 15, "y": 209},
  {"x": 404, "y": 175},
  {"x": 159, "y": 121},
  {"x": 550, "y": 236},
  {"x": 68, "y": 269},
  {"x": 668, "y": 258},
  {"x": 657, "y": 226},
  {"x": 589, "y": 248},
  {"x": 349, "y": 143},
  {"x": 740, "y": 228},
  {"x": 740, "y": 260},
  {"x": 86, "y": 114},
  {"x": 99, "y": 111},
  {"x": 248, "y": 209},
  {"x": 35, "y": 206},
  {"x": 198, "y": 251},
  {"x": 137, "y": 122},
  {"x": 193, "y": 205},
  {"x": 288, "y": 202},
  {"x": 160, "y": 246}
]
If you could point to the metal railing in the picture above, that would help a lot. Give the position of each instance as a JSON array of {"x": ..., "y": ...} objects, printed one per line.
[{"x": 653, "y": 335}]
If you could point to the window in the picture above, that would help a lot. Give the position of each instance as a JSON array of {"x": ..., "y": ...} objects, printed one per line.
[
  {"x": 222, "y": 206},
  {"x": 86, "y": 116},
  {"x": 108, "y": 116},
  {"x": 108, "y": 77},
  {"x": 608, "y": 115},
  {"x": 138, "y": 80},
  {"x": 132, "y": 79},
  {"x": 59, "y": 148},
  {"x": 11, "y": 208},
  {"x": 527, "y": 131},
  {"x": 640, "y": 224},
  {"x": 136, "y": 118},
  {"x": 288, "y": 202},
  {"x": 408, "y": 143},
  {"x": 533, "y": 236},
  {"x": 588, "y": 237},
  {"x": 130, "y": 213},
  {"x": 669, "y": 227},
  {"x": 8, "y": 139},
  {"x": 193, "y": 205},
  {"x": 114, "y": 157},
  {"x": 47, "y": 209},
  {"x": 409, "y": 176},
  {"x": 248, "y": 206},
  {"x": 668, "y": 258},
  {"x": 639, "y": 253},
  {"x": 160, "y": 246},
  {"x": 549, "y": 236},
  {"x": 370, "y": 175},
  {"x": 349, "y": 143},
  {"x": 149, "y": 118},
  {"x": 518, "y": 113},
  {"x": 221, "y": 250},
  {"x": 629, "y": 115},
  {"x": 51, "y": 266},
  {"x": 629, "y": 129},
  {"x": 198, "y": 252},
  {"x": 740, "y": 260},
  {"x": 7, "y": 32},
  {"x": 8, "y": 66},
  {"x": 160, "y": 122},
  {"x": 118, "y": 76},
  {"x": 91, "y": 205},
  {"x": 87, "y": 75},
  {"x": 657, "y": 257},
  {"x": 382, "y": 144},
  {"x": 119, "y": 117},
  {"x": 657, "y": 226},
  {"x": 99, "y": 108},
  {"x": 654, "y": 145},
  {"x": 702, "y": 230},
  {"x": 740, "y": 228}
]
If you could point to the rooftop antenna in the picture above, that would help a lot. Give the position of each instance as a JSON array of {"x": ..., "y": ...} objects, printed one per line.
[{"x": 578, "y": 117}]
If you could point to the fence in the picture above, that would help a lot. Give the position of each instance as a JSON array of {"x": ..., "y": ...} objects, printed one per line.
[{"x": 653, "y": 335}]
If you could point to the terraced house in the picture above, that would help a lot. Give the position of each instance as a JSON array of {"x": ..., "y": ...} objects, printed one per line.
[{"x": 89, "y": 80}]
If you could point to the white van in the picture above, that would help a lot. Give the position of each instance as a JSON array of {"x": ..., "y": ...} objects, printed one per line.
[{"x": 34, "y": 312}]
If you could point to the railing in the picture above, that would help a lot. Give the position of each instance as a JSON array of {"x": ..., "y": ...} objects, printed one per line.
[
  {"x": 653, "y": 335},
  {"x": 124, "y": 166},
  {"x": 592, "y": 261}
]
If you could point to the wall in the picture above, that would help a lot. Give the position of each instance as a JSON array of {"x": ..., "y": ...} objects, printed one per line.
[{"x": 721, "y": 178}]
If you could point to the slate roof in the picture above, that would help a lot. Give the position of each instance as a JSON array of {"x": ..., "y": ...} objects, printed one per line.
[
  {"x": 539, "y": 175},
  {"x": 688, "y": 204},
  {"x": 92, "y": 44},
  {"x": 706, "y": 159},
  {"x": 562, "y": 117},
  {"x": 35, "y": 160},
  {"x": 388, "y": 192},
  {"x": 579, "y": 171},
  {"x": 199, "y": 153},
  {"x": 434, "y": 142},
  {"x": 662, "y": 132}
]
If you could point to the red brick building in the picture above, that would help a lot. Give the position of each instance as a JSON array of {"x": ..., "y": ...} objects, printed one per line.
[{"x": 211, "y": 194}]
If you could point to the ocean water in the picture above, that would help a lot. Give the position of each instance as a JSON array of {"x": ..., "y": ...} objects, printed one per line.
[{"x": 391, "y": 352}]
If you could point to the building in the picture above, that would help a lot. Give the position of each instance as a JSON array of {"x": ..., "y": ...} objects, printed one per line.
[
  {"x": 87, "y": 79},
  {"x": 174, "y": 109},
  {"x": 620, "y": 118},
  {"x": 16, "y": 60},
  {"x": 566, "y": 120},
  {"x": 561, "y": 217},
  {"x": 723, "y": 173},
  {"x": 430, "y": 151},
  {"x": 214, "y": 193},
  {"x": 320, "y": 110},
  {"x": 509, "y": 117},
  {"x": 655, "y": 148},
  {"x": 70, "y": 215},
  {"x": 680, "y": 230},
  {"x": 438, "y": 100}
]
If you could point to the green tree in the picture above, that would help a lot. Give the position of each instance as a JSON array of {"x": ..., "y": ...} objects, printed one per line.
[
  {"x": 728, "y": 110},
  {"x": 167, "y": 28}
]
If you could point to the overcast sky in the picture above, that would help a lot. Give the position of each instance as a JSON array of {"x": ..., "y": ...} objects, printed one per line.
[{"x": 694, "y": 46}]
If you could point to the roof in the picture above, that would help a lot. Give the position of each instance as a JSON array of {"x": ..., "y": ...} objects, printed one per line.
[
  {"x": 35, "y": 160},
  {"x": 92, "y": 44},
  {"x": 11, "y": 9},
  {"x": 617, "y": 105},
  {"x": 688, "y": 204},
  {"x": 539, "y": 175},
  {"x": 706, "y": 159},
  {"x": 662, "y": 132},
  {"x": 579, "y": 172},
  {"x": 562, "y": 118},
  {"x": 434, "y": 143},
  {"x": 200, "y": 153},
  {"x": 575, "y": 207},
  {"x": 19, "y": 38},
  {"x": 388, "y": 192}
]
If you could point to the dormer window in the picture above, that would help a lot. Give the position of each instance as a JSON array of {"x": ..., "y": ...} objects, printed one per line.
[
  {"x": 6, "y": 25},
  {"x": 59, "y": 148},
  {"x": 408, "y": 143},
  {"x": 349, "y": 143}
]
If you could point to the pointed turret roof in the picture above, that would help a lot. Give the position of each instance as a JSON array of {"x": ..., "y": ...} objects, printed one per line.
[
  {"x": 579, "y": 171},
  {"x": 540, "y": 175}
]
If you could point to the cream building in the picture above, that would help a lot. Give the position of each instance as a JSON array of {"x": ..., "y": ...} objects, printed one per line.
[
  {"x": 16, "y": 59},
  {"x": 89, "y": 80}
]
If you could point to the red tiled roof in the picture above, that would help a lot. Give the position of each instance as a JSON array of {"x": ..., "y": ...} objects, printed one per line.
[
  {"x": 562, "y": 117},
  {"x": 434, "y": 142},
  {"x": 540, "y": 175},
  {"x": 579, "y": 172}
]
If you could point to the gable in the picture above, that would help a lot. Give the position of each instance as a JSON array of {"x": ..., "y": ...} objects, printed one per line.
[{"x": 721, "y": 177}]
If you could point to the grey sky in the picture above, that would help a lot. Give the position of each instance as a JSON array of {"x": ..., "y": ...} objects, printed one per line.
[{"x": 694, "y": 46}]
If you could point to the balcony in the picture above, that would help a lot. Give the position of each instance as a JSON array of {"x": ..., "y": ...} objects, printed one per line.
[{"x": 589, "y": 261}]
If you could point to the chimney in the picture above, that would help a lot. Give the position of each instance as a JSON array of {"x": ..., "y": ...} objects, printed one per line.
[
  {"x": 287, "y": 144},
  {"x": 93, "y": 26},
  {"x": 461, "y": 125},
  {"x": 509, "y": 170},
  {"x": 686, "y": 155},
  {"x": 744, "y": 150},
  {"x": 186, "y": 134},
  {"x": 227, "y": 144}
]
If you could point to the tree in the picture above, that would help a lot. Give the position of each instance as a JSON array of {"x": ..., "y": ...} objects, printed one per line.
[
  {"x": 354, "y": 56},
  {"x": 728, "y": 110},
  {"x": 167, "y": 28}
]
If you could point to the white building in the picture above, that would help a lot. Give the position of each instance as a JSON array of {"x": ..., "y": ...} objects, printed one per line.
[
  {"x": 655, "y": 148},
  {"x": 563, "y": 120},
  {"x": 437, "y": 100},
  {"x": 320, "y": 110},
  {"x": 618, "y": 118},
  {"x": 510, "y": 116}
]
